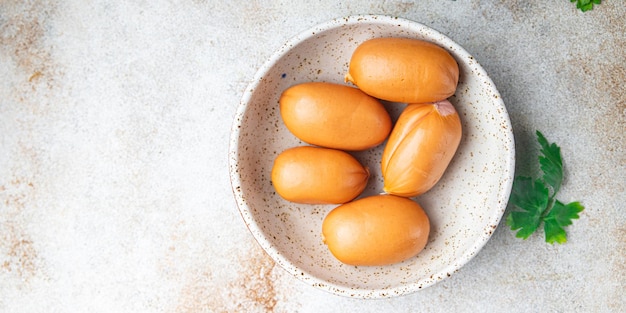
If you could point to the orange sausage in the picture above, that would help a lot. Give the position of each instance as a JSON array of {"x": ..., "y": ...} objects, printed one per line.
[
  {"x": 403, "y": 70},
  {"x": 318, "y": 175},
  {"x": 376, "y": 230},
  {"x": 334, "y": 116},
  {"x": 420, "y": 148}
]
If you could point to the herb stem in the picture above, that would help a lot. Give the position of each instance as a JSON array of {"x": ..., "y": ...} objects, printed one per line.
[{"x": 548, "y": 207}]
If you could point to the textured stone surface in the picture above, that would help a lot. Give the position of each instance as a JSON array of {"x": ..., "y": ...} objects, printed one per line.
[{"x": 114, "y": 130}]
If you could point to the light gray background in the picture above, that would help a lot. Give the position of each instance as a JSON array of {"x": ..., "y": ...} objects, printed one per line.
[{"x": 114, "y": 131}]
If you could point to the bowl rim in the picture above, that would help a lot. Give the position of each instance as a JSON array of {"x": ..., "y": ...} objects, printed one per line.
[{"x": 376, "y": 293}]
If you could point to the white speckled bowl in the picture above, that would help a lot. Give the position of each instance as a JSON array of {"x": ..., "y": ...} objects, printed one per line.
[{"x": 465, "y": 207}]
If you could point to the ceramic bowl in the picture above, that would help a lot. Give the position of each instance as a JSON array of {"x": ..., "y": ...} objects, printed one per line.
[{"x": 465, "y": 207}]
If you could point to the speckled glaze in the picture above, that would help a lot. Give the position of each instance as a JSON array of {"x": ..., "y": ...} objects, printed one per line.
[{"x": 465, "y": 207}]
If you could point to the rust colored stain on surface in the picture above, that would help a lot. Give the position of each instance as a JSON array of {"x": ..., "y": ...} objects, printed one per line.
[
  {"x": 610, "y": 125},
  {"x": 21, "y": 37},
  {"x": 252, "y": 290},
  {"x": 256, "y": 282},
  {"x": 23, "y": 41},
  {"x": 24, "y": 26},
  {"x": 18, "y": 256},
  {"x": 599, "y": 81}
]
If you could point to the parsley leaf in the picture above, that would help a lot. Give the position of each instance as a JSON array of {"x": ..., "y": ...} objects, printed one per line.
[
  {"x": 533, "y": 203},
  {"x": 563, "y": 214},
  {"x": 585, "y": 5},
  {"x": 554, "y": 232},
  {"x": 532, "y": 197},
  {"x": 550, "y": 163},
  {"x": 560, "y": 216}
]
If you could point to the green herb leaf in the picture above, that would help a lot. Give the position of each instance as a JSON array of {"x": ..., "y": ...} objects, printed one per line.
[
  {"x": 560, "y": 215},
  {"x": 585, "y": 5},
  {"x": 563, "y": 214},
  {"x": 551, "y": 163},
  {"x": 531, "y": 201},
  {"x": 554, "y": 232},
  {"x": 532, "y": 197}
]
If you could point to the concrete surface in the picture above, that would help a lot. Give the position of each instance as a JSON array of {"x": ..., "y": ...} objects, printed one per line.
[{"x": 114, "y": 124}]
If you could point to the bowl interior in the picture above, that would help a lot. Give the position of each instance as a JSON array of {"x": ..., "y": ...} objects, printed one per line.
[{"x": 465, "y": 207}]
